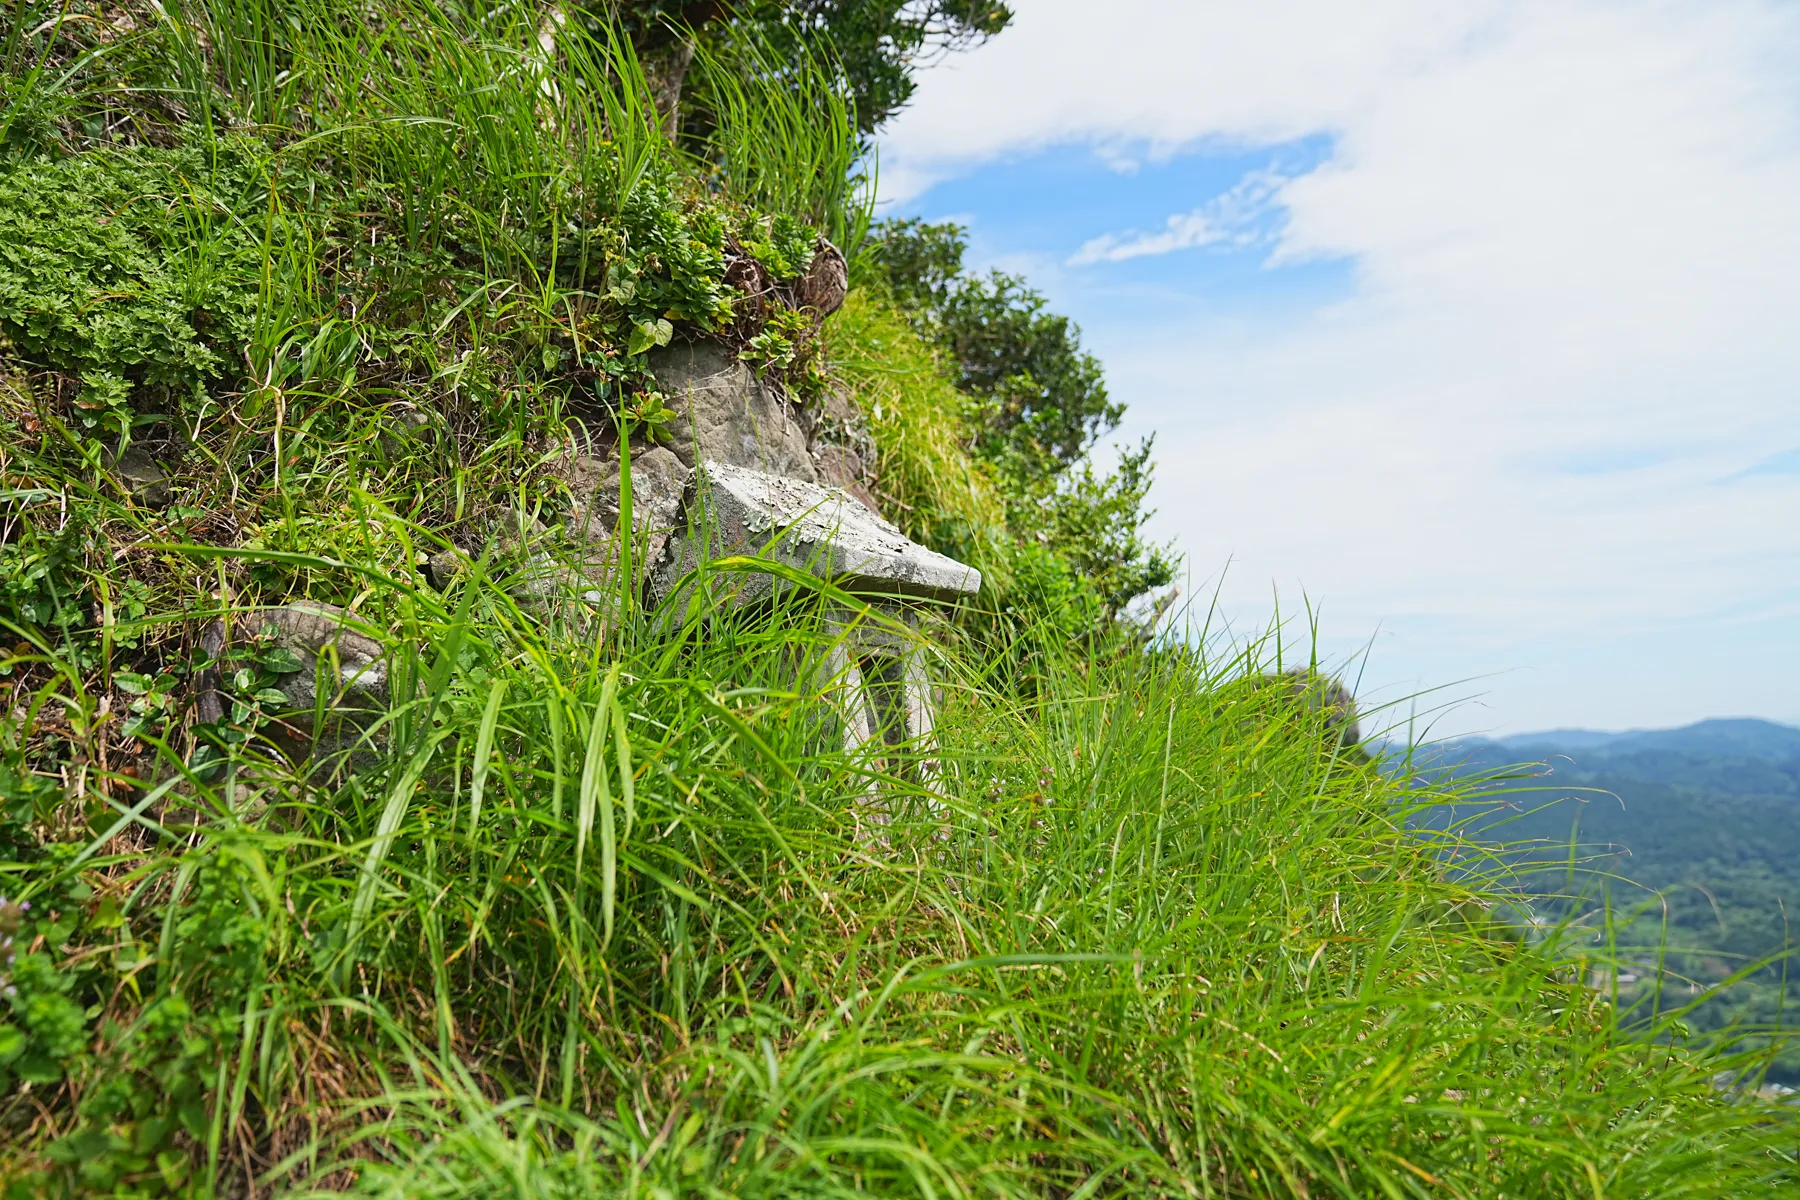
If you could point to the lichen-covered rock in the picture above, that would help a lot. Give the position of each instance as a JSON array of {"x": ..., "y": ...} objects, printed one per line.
[
  {"x": 815, "y": 529},
  {"x": 826, "y": 282},
  {"x": 142, "y": 477},
  {"x": 725, "y": 414}
]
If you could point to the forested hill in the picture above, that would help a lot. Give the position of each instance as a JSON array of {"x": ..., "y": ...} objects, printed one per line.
[
  {"x": 1726, "y": 737},
  {"x": 1704, "y": 820}
]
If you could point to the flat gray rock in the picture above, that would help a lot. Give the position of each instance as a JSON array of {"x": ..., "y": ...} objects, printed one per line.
[
  {"x": 827, "y": 533},
  {"x": 355, "y": 665}
]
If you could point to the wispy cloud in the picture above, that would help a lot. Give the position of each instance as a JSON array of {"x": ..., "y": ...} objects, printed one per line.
[
  {"x": 1570, "y": 237},
  {"x": 1246, "y": 215},
  {"x": 1787, "y": 463}
]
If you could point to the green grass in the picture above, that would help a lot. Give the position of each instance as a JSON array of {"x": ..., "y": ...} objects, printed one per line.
[
  {"x": 597, "y": 902},
  {"x": 621, "y": 915}
]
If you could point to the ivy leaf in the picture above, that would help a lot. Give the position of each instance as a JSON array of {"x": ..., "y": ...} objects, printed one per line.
[
  {"x": 194, "y": 1117},
  {"x": 108, "y": 916},
  {"x": 646, "y": 334},
  {"x": 272, "y": 696},
  {"x": 281, "y": 660},
  {"x": 132, "y": 683}
]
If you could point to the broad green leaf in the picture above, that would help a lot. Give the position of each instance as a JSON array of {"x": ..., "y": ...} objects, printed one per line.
[{"x": 282, "y": 661}]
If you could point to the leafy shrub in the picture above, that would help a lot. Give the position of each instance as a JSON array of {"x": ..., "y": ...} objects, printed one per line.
[
  {"x": 131, "y": 270},
  {"x": 1041, "y": 404}
]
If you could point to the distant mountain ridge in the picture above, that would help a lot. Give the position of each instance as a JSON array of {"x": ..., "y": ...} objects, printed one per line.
[
  {"x": 1692, "y": 835},
  {"x": 1736, "y": 737}
]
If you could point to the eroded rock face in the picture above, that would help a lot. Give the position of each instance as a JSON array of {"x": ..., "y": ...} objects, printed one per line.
[
  {"x": 841, "y": 467},
  {"x": 351, "y": 665},
  {"x": 815, "y": 529},
  {"x": 725, "y": 414},
  {"x": 542, "y": 567},
  {"x": 659, "y": 480}
]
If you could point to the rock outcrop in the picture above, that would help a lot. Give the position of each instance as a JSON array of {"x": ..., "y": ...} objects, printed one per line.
[
  {"x": 820, "y": 530},
  {"x": 724, "y": 413}
]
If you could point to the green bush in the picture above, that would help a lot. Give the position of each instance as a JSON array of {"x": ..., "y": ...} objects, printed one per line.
[
  {"x": 1041, "y": 405},
  {"x": 134, "y": 271}
]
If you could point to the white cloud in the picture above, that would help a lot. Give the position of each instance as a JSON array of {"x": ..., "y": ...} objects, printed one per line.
[
  {"x": 1572, "y": 229},
  {"x": 1239, "y": 217}
]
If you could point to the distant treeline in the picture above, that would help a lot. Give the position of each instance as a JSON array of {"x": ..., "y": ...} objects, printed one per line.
[{"x": 1686, "y": 839}]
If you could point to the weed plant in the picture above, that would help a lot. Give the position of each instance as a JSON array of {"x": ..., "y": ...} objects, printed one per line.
[{"x": 592, "y": 897}]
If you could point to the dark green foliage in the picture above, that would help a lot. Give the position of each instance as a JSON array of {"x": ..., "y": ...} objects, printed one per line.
[
  {"x": 920, "y": 263},
  {"x": 150, "y": 1082},
  {"x": 27, "y": 801},
  {"x": 42, "y": 583},
  {"x": 133, "y": 271},
  {"x": 1043, "y": 405},
  {"x": 878, "y": 43},
  {"x": 1096, "y": 521},
  {"x": 1046, "y": 396}
]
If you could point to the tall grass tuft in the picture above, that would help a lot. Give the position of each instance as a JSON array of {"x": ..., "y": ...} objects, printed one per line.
[
  {"x": 626, "y": 915},
  {"x": 785, "y": 133}
]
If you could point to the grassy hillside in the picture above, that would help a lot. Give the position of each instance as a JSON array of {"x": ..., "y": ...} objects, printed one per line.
[{"x": 588, "y": 897}]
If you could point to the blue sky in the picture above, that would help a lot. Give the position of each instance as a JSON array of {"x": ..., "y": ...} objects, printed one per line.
[
  {"x": 1033, "y": 213},
  {"x": 1470, "y": 325}
]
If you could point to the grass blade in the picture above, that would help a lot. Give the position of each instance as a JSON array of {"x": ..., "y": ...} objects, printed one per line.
[{"x": 484, "y": 749}]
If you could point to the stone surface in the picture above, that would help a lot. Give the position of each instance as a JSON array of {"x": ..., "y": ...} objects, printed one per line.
[
  {"x": 545, "y": 568},
  {"x": 354, "y": 665},
  {"x": 659, "y": 481},
  {"x": 725, "y": 414},
  {"x": 841, "y": 467},
  {"x": 407, "y": 429},
  {"x": 816, "y": 529},
  {"x": 143, "y": 477},
  {"x": 826, "y": 282}
]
